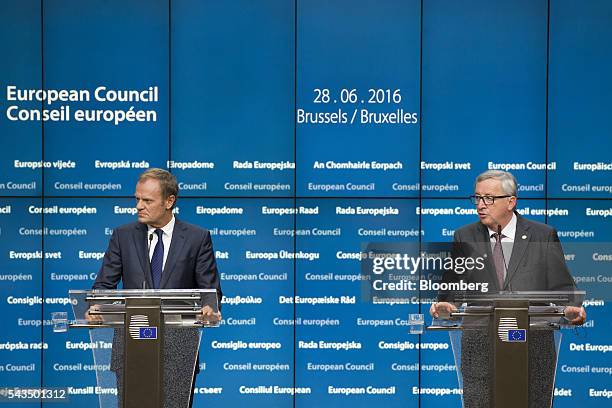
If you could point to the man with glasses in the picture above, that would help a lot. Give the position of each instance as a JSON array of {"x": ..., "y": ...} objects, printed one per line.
[{"x": 522, "y": 255}]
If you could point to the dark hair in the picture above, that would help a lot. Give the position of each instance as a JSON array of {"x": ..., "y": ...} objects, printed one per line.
[{"x": 167, "y": 181}]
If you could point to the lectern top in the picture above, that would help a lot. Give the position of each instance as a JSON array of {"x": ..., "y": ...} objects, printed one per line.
[
  {"x": 179, "y": 307},
  {"x": 554, "y": 297},
  {"x": 142, "y": 292}
]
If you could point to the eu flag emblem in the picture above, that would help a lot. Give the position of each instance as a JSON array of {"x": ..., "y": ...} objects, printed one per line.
[
  {"x": 147, "y": 332},
  {"x": 517, "y": 335}
]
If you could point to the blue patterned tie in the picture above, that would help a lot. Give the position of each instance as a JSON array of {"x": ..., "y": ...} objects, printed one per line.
[{"x": 157, "y": 260}]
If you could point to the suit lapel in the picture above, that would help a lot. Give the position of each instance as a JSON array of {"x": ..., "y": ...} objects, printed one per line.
[
  {"x": 521, "y": 241},
  {"x": 140, "y": 242},
  {"x": 176, "y": 246}
]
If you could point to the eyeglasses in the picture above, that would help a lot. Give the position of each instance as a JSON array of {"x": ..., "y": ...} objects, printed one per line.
[{"x": 488, "y": 200}]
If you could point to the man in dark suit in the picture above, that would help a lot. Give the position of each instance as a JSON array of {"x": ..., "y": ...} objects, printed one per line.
[
  {"x": 161, "y": 252},
  {"x": 185, "y": 251},
  {"x": 519, "y": 255}
]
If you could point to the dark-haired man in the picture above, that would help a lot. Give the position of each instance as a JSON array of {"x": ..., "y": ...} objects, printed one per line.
[{"x": 160, "y": 252}]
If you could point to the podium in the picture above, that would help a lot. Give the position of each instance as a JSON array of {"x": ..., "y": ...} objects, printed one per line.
[
  {"x": 155, "y": 336},
  {"x": 506, "y": 345}
]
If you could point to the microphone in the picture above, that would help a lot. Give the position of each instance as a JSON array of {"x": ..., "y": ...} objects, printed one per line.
[
  {"x": 144, "y": 282},
  {"x": 499, "y": 229}
]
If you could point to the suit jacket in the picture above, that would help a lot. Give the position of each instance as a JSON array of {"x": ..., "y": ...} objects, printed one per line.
[
  {"x": 190, "y": 264},
  {"x": 537, "y": 262}
]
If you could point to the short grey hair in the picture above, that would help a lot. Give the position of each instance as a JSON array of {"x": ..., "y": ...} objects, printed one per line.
[
  {"x": 167, "y": 181},
  {"x": 508, "y": 182}
]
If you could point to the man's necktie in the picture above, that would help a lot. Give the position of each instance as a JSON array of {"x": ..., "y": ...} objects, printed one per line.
[
  {"x": 498, "y": 259},
  {"x": 157, "y": 260}
]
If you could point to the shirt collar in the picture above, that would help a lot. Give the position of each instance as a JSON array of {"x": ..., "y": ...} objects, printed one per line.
[
  {"x": 509, "y": 231},
  {"x": 168, "y": 228}
]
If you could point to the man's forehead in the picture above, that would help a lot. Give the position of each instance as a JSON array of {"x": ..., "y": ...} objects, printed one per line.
[
  {"x": 148, "y": 187},
  {"x": 491, "y": 186}
]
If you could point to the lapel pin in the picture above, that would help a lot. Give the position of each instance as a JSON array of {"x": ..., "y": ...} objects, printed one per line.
[
  {"x": 484, "y": 256},
  {"x": 524, "y": 237}
]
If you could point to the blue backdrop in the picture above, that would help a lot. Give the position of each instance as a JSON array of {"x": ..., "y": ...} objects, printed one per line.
[{"x": 278, "y": 118}]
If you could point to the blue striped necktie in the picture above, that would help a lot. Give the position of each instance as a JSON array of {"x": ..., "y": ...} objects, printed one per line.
[{"x": 157, "y": 260}]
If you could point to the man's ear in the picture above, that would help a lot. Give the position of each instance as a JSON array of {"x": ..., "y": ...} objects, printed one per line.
[
  {"x": 170, "y": 201},
  {"x": 512, "y": 203}
]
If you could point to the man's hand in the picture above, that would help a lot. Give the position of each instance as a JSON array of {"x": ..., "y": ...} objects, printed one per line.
[
  {"x": 93, "y": 318},
  {"x": 441, "y": 307},
  {"x": 575, "y": 315},
  {"x": 208, "y": 315}
]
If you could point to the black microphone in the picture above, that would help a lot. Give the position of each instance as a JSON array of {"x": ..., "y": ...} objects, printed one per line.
[
  {"x": 499, "y": 230},
  {"x": 144, "y": 282}
]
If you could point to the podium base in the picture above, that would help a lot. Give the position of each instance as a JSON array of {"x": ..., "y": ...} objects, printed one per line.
[{"x": 181, "y": 346}]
